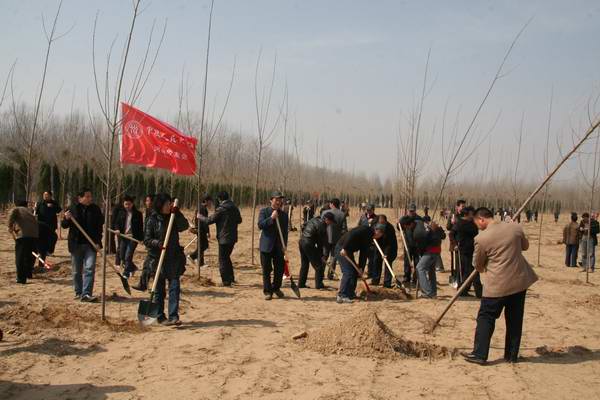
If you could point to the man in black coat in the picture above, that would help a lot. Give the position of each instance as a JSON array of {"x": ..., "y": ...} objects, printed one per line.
[
  {"x": 45, "y": 243},
  {"x": 464, "y": 231},
  {"x": 155, "y": 232},
  {"x": 271, "y": 249},
  {"x": 47, "y": 211},
  {"x": 128, "y": 220},
  {"x": 359, "y": 240},
  {"x": 227, "y": 217},
  {"x": 389, "y": 246},
  {"x": 83, "y": 254},
  {"x": 334, "y": 232},
  {"x": 312, "y": 248},
  {"x": 201, "y": 229}
]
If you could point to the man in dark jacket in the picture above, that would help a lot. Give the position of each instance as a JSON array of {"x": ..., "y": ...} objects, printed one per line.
[
  {"x": 227, "y": 217},
  {"x": 334, "y": 232},
  {"x": 201, "y": 229},
  {"x": 173, "y": 265},
  {"x": 406, "y": 226},
  {"x": 389, "y": 246},
  {"x": 83, "y": 254},
  {"x": 128, "y": 221},
  {"x": 271, "y": 248},
  {"x": 464, "y": 232},
  {"x": 45, "y": 243},
  {"x": 359, "y": 240},
  {"x": 308, "y": 212},
  {"x": 148, "y": 200},
  {"x": 312, "y": 248},
  {"x": 47, "y": 211},
  {"x": 24, "y": 228}
]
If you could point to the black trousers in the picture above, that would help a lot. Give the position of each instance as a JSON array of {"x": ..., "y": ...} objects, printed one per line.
[
  {"x": 489, "y": 311},
  {"x": 407, "y": 271},
  {"x": 272, "y": 262},
  {"x": 466, "y": 267},
  {"x": 225, "y": 264},
  {"x": 310, "y": 254},
  {"x": 24, "y": 259}
]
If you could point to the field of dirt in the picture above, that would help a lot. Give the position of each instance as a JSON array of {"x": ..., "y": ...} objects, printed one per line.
[{"x": 235, "y": 345}]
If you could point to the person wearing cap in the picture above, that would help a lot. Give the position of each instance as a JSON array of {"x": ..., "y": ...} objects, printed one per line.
[
  {"x": 201, "y": 229},
  {"x": 412, "y": 212},
  {"x": 368, "y": 218},
  {"x": 389, "y": 246},
  {"x": 313, "y": 240},
  {"x": 227, "y": 217},
  {"x": 359, "y": 239},
  {"x": 506, "y": 276},
  {"x": 271, "y": 249}
]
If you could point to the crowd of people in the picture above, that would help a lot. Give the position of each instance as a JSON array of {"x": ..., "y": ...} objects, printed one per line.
[{"x": 477, "y": 241}]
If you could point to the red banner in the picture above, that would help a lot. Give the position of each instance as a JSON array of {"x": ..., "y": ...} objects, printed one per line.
[{"x": 155, "y": 144}]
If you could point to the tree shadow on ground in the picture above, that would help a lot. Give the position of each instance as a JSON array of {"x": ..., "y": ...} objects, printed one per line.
[
  {"x": 55, "y": 347},
  {"x": 29, "y": 391},
  {"x": 227, "y": 322},
  {"x": 566, "y": 355}
]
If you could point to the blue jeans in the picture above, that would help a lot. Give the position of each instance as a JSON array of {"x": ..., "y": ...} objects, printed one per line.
[
  {"x": 349, "y": 276},
  {"x": 588, "y": 251},
  {"x": 83, "y": 261},
  {"x": 174, "y": 292},
  {"x": 571, "y": 256},
  {"x": 426, "y": 273},
  {"x": 125, "y": 255}
]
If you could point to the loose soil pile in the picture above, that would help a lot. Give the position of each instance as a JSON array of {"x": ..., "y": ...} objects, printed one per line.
[
  {"x": 197, "y": 280},
  {"x": 33, "y": 319},
  {"x": 365, "y": 335},
  {"x": 382, "y": 293}
]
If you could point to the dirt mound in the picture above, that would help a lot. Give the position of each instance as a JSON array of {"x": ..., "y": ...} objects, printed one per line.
[
  {"x": 195, "y": 280},
  {"x": 365, "y": 335},
  {"x": 31, "y": 319},
  {"x": 382, "y": 293}
]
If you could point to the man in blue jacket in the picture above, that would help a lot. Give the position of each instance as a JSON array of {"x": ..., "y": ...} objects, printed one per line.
[{"x": 271, "y": 248}]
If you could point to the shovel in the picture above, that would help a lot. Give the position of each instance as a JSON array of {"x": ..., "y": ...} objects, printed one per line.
[
  {"x": 410, "y": 260},
  {"x": 360, "y": 274},
  {"x": 148, "y": 310},
  {"x": 95, "y": 246},
  {"x": 47, "y": 265},
  {"x": 128, "y": 237},
  {"x": 286, "y": 263},
  {"x": 399, "y": 283}
]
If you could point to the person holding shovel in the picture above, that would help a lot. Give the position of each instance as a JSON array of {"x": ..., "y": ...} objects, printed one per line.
[
  {"x": 506, "y": 276},
  {"x": 389, "y": 245},
  {"x": 200, "y": 225},
  {"x": 359, "y": 239},
  {"x": 271, "y": 249},
  {"x": 128, "y": 220},
  {"x": 174, "y": 261},
  {"x": 83, "y": 254}
]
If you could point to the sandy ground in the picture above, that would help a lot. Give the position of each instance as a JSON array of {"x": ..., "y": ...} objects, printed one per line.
[{"x": 235, "y": 345}]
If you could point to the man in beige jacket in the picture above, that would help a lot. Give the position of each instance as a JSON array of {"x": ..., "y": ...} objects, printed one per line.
[{"x": 506, "y": 275}]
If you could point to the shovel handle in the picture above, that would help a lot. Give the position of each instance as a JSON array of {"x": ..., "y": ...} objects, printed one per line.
[
  {"x": 387, "y": 264},
  {"x": 125, "y": 236},
  {"x": 359, "y": 272},
  {"x": 466, "y": 283},
  {"x": 280, "y": 233},
  {"x": 163, "y": 252},
  {"x": 89, "y": 239},
  {"x": 36, "y": 255}
]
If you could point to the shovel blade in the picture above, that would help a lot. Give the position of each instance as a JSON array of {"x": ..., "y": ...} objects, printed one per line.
[
  {"x": 125, "y": 284},
  {"x": 295, "y": 288},
  {"x": 148, "y": 312}
]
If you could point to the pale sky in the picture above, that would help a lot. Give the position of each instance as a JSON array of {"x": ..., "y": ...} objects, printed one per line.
[{"x": 353, "y": 68}]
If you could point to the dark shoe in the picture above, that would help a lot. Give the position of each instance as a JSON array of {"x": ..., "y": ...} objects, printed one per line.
[
  {"x": 279, "y": 294},
  {"x": 226, "y": 284},
  {"x": 161, "y": 319},
  {"x": 472, "y": 358},
  {"x": 322, "y": 287},
  {"x": 21, "y": 282},
  {"x": 172, "y": 322},
  {"x": 268, "y": 296}
]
